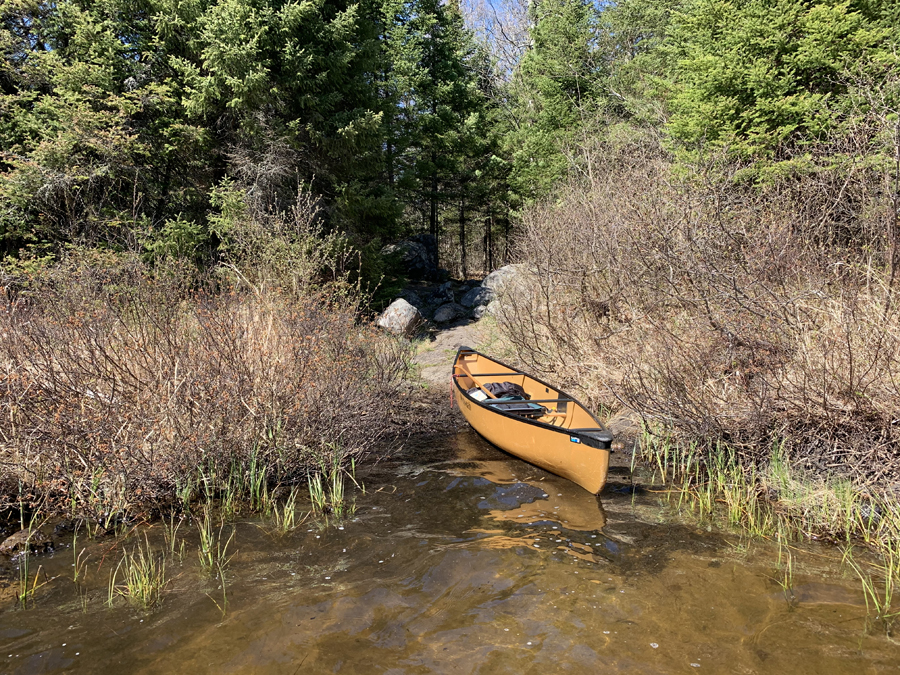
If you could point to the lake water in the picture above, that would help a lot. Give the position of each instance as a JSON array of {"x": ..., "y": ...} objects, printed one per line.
[{"x": 461, "y": 559}]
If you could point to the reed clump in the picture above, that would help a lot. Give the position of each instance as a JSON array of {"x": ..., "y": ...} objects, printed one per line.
[
  {"x": 140, "y": 576},
  {"x": 327, "y": 489}
]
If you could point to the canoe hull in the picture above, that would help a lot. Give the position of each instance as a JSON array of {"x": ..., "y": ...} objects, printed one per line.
[{"x": 555, "y": 449}]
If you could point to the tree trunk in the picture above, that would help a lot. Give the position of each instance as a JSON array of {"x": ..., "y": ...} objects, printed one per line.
[
  {"x": 462, "y": 237},
  {"x": 433, "y": 217}
]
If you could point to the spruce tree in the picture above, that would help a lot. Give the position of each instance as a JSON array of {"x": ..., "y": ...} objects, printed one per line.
[{"x": 554, "y": 93}]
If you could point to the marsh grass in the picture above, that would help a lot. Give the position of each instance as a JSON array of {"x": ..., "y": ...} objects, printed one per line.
[
  {"x": 284, "y": 516},
  {"x": 213, "y": 552},
  {"x": 213, "y": 549},
  {"x": 258, "y": 485},
  {"x": 880, "y": 582},
  {"x": 140, "y": 576},
  {"x": 766, "y": 499},
  {"x": 786, "y": 568},
  {"x": 317, "y": 493},
  {"x": 79, "y": 570},
  {"x": 28, "y": 586},
  {"x": 776, "y": 501},
  {"x": 174, "y": 544},
  {"x": 327, "y": 489}
]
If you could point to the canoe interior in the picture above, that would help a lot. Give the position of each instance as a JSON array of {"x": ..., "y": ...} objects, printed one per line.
[
  {"x": 473, "y": 369},
  {"x": 563, "y": 437}
]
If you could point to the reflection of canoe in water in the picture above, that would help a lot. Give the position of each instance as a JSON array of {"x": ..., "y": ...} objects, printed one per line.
[
  {"x": 554, "y": 500},
  {"x": 551, "y": 429}
]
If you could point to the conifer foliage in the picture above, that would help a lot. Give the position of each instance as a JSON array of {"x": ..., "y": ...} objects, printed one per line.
[
  {"x": 134, "y": 123},
  {"x": 124, "y": 122}
]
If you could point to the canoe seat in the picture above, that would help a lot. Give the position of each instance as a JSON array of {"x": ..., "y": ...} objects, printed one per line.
[{"x": 518, "y": 406}]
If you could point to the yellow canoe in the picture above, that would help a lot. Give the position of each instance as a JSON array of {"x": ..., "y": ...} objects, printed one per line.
[{"x": 550, "y": 429}]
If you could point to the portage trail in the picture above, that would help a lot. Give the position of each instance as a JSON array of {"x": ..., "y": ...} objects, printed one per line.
[{"x": 435, "y": 358}]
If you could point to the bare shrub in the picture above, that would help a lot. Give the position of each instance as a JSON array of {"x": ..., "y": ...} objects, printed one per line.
[
  {"x": 118, "y": 386},
  {"x": 721, "y": 311}
]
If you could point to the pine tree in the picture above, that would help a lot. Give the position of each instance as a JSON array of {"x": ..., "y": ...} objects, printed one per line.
[{"x": 555, "y": 94}]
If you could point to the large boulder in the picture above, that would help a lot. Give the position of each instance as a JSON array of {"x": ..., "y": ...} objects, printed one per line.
[
  {"x": 400, "y": 318},
  {"x": 449, "y": 312},
  {"x": 497, "y": 279},
  {"x": 418, "y": 255},
  {"x": 477, "y": 296},
  {"x": 412, "y": 298},
  {"x": 442, "y": 295},
  {"x": 430, "y": 244}
]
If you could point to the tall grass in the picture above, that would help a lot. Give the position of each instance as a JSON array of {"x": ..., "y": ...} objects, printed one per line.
[
  {"x": 769, "y": 498},
  {"x": 327, "y": 492},
  {"x": 213, "y": 548},
  {"x": 880, "y": 583},
  {"x": 776, "y": 501},
  {"x": 213, "y": 552},
  {"x": 140, "y": 576},
  {"x": 284, "y": 515}
]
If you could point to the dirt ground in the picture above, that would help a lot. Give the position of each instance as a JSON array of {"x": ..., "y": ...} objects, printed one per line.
[{"x": 435, "y": 356}]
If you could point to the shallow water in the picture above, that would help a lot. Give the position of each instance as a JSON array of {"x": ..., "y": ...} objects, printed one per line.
[{"x": 460, "y": 559}]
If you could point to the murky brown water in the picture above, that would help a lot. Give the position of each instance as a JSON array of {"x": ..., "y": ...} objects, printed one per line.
[{"x": 460, "y": 559}]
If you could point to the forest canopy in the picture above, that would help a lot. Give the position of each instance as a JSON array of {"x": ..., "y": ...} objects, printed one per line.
[{"x": 134, "y": 123}]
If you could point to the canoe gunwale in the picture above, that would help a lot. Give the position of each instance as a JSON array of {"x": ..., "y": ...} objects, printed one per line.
[{"x": 580, "y": 432}]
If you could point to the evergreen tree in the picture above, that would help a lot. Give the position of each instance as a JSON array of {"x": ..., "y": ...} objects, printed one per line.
[
  {"x": 88, "y": 117},
  {"x": 555, "y": 94},
  {"x": 761, "y": 76}
]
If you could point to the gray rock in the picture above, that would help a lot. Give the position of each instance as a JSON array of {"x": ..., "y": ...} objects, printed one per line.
[
  {"x": 477, "y": 296},
  {"x": 418, "y": 254},
  {"x": 479, "y": 311},
  {"x": 499, "y": 278},
  {"x": 449, "y": 312},
  {"x": 412, "y": 298},
  {"x": 431, "y": 248},
  {"x": 442, "y": 295},
  {"x": 400, "y": 318}
]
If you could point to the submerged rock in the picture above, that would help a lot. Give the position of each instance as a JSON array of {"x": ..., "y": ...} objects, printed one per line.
[
  {"x": 17, "y": 542},
  {"x": 400, "y": 318},
  {"x": 449, "y": 312}
]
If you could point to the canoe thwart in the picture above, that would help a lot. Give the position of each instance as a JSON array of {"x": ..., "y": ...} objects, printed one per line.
[
  {"x": 491, "y": 374},
  {"x": 537, "y": 400}
]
